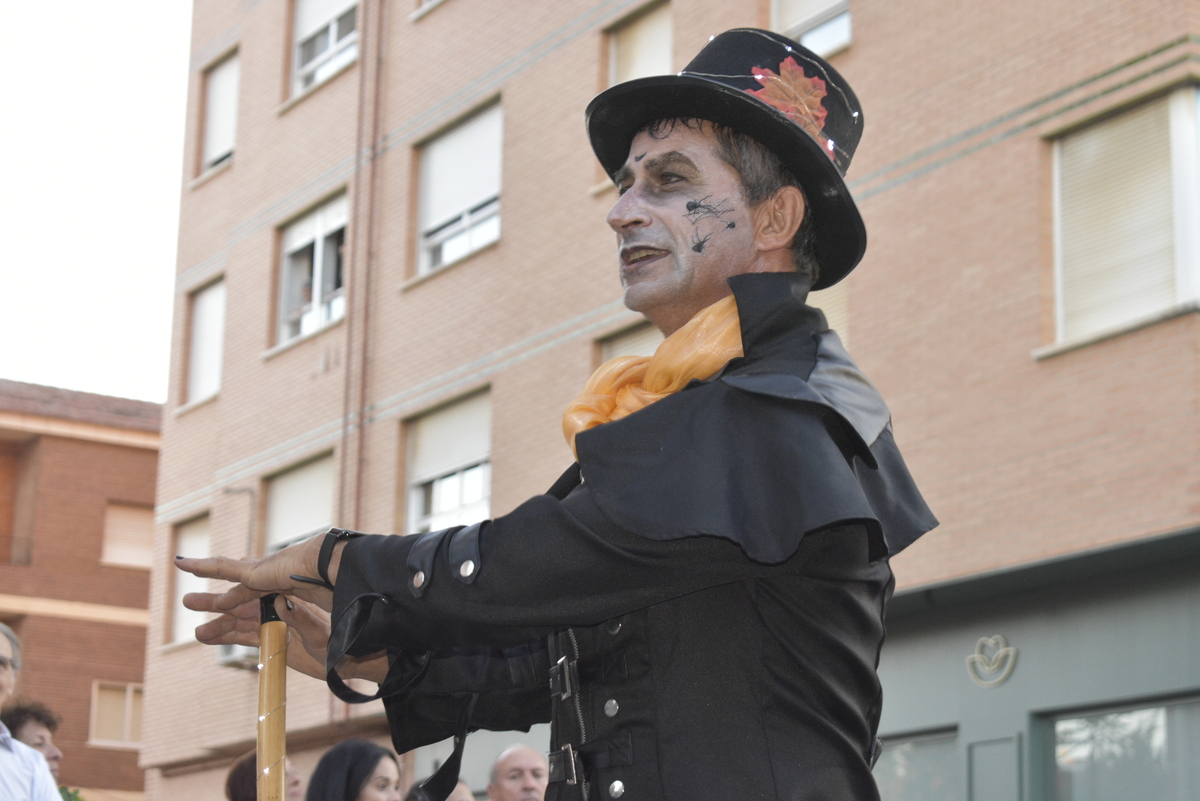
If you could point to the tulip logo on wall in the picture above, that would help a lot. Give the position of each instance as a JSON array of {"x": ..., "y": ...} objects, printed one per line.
[{"x": 992, "y": 663}]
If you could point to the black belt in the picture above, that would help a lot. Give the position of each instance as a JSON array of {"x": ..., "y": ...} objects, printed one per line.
[{"x": 569, "y": 762}]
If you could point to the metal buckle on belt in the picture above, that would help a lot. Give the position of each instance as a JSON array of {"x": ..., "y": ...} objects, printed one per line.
[
  {"x": 560, "y": 679},
  {"x": 560, "y": 772}
]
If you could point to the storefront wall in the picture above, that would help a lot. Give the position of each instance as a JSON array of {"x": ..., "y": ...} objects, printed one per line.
[{"x": 1107, "y": 644}]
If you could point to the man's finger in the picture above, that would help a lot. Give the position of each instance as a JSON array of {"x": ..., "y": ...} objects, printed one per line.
[
  {"x": 230, "y": 600},
  {"x": 219, "y": 567}
]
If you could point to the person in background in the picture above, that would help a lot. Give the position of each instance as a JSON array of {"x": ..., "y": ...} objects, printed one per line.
[
  {"x": 241, "y": 784},
  {"x": 34, "y": 724},
  {"x": 518, "y": 774},
  {"x": 355, "y": 770},
  {"x": 24, "y": 773}
]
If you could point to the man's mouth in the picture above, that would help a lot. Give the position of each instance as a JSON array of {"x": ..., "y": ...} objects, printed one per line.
[{"x": 636, "y": 255}]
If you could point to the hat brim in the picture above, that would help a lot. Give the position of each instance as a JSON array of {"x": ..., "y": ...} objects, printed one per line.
[{"x": 616, "y": 114}]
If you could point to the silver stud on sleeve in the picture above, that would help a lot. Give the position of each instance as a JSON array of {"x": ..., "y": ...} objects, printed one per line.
[
  {"x": 616, "y": 789},
  {"x": 466, "y": 568},
  {"x": 611, "y": 707},
  {"x": 419, "y": 579}
]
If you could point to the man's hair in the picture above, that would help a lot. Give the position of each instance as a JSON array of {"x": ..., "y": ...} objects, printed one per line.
[
  {"x": 18, "y": 713},
  {"x": 762, "y": 175},
  {"x": 16, "y": 645}
]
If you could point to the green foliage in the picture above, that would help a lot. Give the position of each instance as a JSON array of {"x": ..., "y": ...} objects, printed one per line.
[{"x": 70, "y": 795}]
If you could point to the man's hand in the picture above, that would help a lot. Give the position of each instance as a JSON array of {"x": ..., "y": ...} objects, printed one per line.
[
  {"x": 258, "y": 577},
  {"x": 308, "y": 635},
  {"x": 308, "y": 628}
]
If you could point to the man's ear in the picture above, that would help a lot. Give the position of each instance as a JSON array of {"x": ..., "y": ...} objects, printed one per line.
[{"x": 778, "y": 218}]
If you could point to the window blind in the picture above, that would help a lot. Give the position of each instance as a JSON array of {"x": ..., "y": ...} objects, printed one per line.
[
  {"x": 220, "y": 109},
  {"x": 450, "y": 438},
  {"x": 640, "y": 341},
  {"x": 128, "y": 535},
  {"x": 642, "y": 47},
  {"x": 312, "y": 15},
  {"x": 191, "y": 539},
  {"x": 790, "y": 13},
  {"x": 1115, "y": 228},
  {"x": 207, "y": 342},
  {"x": 461, "y": 168},
  {"x": 300, "y": 501}
]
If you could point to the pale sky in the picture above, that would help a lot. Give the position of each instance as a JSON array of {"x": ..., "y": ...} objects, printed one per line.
[{"x": 93, "y": 98}]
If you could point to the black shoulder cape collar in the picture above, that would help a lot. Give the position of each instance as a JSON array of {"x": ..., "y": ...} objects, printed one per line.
[{"x": 787, "y": 440}]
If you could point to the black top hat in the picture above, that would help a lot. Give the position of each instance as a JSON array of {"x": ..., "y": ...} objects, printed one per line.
[{"x": 775, "y": 91}]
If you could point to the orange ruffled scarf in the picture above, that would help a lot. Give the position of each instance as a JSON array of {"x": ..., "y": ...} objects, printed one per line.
[{"x": 625, "y": 384}]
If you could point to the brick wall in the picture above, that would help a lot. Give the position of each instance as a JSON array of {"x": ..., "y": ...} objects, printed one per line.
[{"x": 72, "y": 482}]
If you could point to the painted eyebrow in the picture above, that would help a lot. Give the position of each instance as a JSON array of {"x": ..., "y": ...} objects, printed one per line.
[{"x": 670, "y": 159}]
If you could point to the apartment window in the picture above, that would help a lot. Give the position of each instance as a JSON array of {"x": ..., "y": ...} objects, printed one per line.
[
  {"x": 449, "y": 471},
  {"x": 116, "y": 719},
  {"x": 1152, "y": 752},
  {"x": 220, "y": 111},
  {"x": 300, "y": 503},
  {"x": 128, "y": 535},
  {"x": 924, "y": 767},
  {"x": 460, "y": 190},
  {"x": 312, "y": 285},
  {"x": 641, "y": 340},
  {"x": 192, "y": 540},
  {"x": 835, "y": 304},
  {"x": 206, "y": 342},
  {"x": 820, "y": 25},
  {"x": 641, "y": 47},
  {"x": 326, "y": 39},
  {"x": 1127, "y": 197}
]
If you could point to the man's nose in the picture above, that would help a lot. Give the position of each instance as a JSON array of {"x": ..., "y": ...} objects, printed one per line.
[
  {"x": 627, "y": 212},
  {"x": 54, "y": 753}
]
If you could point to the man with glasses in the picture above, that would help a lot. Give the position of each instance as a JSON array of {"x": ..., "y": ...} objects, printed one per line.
[{"x": 24, "y": 773}]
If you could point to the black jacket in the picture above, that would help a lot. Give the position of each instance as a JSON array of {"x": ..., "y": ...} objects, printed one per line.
[{"x": 698, "y": 604}]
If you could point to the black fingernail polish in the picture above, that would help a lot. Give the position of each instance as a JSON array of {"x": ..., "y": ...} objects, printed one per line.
[
  {"x": 178, "y": 557},
  {"x": 288, "y": 604}
]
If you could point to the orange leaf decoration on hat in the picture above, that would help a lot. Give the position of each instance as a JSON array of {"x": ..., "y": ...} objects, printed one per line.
[{"x": 795, "y": 94}]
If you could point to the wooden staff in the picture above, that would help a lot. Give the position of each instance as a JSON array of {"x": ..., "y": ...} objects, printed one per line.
[{"x": 272, "y": 702}]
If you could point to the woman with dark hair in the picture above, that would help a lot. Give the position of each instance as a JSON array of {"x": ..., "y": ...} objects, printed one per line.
[{"x": 355, "y": 770}]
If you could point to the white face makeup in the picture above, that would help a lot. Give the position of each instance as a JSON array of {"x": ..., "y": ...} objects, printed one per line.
[{"x": 682, "y": 224}]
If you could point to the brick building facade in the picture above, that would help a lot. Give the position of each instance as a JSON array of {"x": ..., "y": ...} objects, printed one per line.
[
  {"x": 77, "y": 479},
  {"x": 394, "y": 272}
]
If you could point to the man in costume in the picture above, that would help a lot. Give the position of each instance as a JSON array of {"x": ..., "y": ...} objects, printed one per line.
[{"x": 697, "y": 604}]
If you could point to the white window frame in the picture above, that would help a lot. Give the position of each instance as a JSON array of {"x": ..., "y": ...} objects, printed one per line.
[
  {"x": 336, "y": 55},
  {"x": 422, "y": 492},
  {"x": 812, "y": 28},
  {"x": 326, "y": 304},
  {"x": 130, "y": 689},
  {"x": 1184, "y": 133},
  {"x": 439, "y": 462},
  {"x": 475, "y": 227}
]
